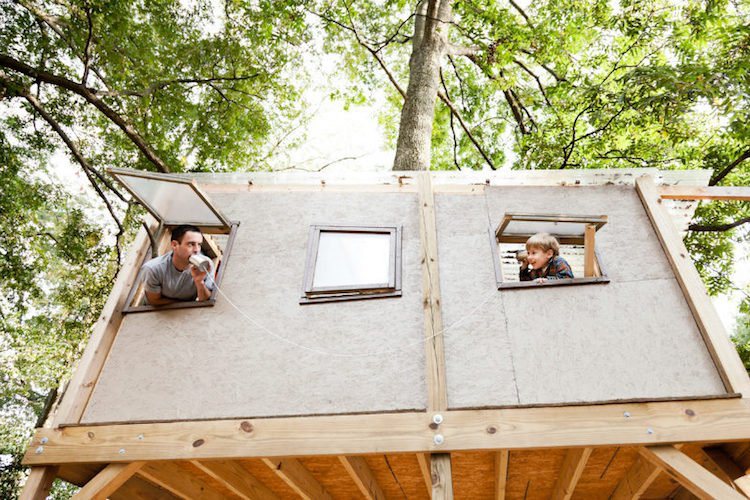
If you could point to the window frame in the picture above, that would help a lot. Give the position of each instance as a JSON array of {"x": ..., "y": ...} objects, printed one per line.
[
  {"x": 311, "y": 294},
  {"x": 496, "y": 238},
  {"x": 164, "y": 233}
]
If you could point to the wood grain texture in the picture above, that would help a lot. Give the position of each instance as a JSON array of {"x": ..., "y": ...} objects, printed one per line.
[
  {"x": 236, "y": 479},
  {"x": 38, "y": 483},
  {"x": 299, "y": 478},
  {"x": 106, "y": 482},
  {"x": 363, "y": 477},
  {"x": 570, "y": 473},
  {"x": 501, "y": 473},
  {"x": 678, "y": 192},
  {"x": 442, "y": 482}
]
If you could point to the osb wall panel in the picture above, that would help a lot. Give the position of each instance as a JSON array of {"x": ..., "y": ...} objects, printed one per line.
[
  {"x": 215, "y": 362},
  {"x": 634, "y": 337}
]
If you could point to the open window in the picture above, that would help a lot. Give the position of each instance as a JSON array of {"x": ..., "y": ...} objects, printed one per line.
[
  {"x": 352, "y": 262},
  {"x": 575, "y": 233},
  {"x": 174, "y": 201}
]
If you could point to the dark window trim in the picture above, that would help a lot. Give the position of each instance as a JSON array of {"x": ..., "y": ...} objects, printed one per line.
[
  {"x": 311, "y": 294},
  {"x": 501, "y": 285},
  {"x": 184, "y": 305}
]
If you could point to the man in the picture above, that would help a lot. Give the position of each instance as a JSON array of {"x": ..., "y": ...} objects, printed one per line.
[{"x": 170, "y": 277}]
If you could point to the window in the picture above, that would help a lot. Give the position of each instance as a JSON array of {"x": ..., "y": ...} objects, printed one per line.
[
  {"x": 169, "y": 198},
  {"x": 575, "y": 233},
  {"x": 350, "y": 262}
]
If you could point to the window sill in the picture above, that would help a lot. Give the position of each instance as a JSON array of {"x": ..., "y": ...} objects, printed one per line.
[
  {"x": 176, "y": 305},
  {"x": 562, "y": 282}
]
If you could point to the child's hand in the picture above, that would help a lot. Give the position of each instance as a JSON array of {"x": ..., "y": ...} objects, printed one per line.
[{"x": 541, "y": 280}]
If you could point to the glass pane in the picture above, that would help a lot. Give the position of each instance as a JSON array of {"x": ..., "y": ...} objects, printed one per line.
[
  {"x": 350, "y": 259},
  {"x": 174, "y": 202},
  {"x": 555, "y": 228}
]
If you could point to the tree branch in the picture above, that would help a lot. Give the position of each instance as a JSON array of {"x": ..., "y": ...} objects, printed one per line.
[
  {"x": 521, "y": 11},
  {"x": 547, "y": 68},
  {"x": 718, "y": 177},
  {"x": 471, "y": 137},
  {"x": 453, "y": 130},
  {"x": 718, "y": 227},
  {"x": 93, "y": 99},
  {"x": 87, "y": 47}
]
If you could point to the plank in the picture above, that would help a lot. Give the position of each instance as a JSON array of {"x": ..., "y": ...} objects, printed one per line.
[
  {"x": 502, "y": 459},
  {"x": 178, "y": 481},
  {"x": 570, "y": 472},
  {"x": 363, "y": 477},
  {"x": 236, "y": 479},
  {"x": 679, "y": 192},
  {"x": 298, "y": 478},
  {"x": 102, "y": 337},
  {"x": 437, "y": 399},
  {"x": 725, "y": 467},
  {"x": 589, "y": 249},
  {"x": 636, "y": 480},
  {"x": 107, "y": 481},
  {"x": 689, "y": 473},
  {"x": 38, "y": 483},
  {"x": 423, "y": 459},
  {"x": 442, "y": 481},
  {"x": 743, "y": 484},
  {"x": 728, "y": 363},
  {"x": 713, "y": 420}
]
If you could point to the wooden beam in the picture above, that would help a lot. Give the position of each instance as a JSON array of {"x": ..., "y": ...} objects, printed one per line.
[
  {"x": 570, "y": 472},
  {"x": 300, "y": 479},
  {"x": 178, "y": 481},
  {"x": 636, "y": 480},
  {"x": 502, "y": 458},
  {"x": 437, "y": 393},
  {"x": 363, "y": 477},
  {"x": 107, "y": 481},
  {"x": 425, "y": 468},
  {"x": 678, "y": 192},
  {"x": 236, "y": 479},
  {"x": 589, "y": 255},
  {"x": 38, "y": 483},
  {"x": 728, "y": 363},
  {"x": 724, "y": 466},
  {"x": 699, "y": 421},
  {"x": 103, "y": 335},
  {"x": 689, "y": 473},
  {"x": 442, "y": 480},
  {"x": 743, "y": 484}
]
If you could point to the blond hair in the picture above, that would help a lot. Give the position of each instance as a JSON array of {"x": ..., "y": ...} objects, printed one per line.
[
  {"x": 545, "y": 241},
  {"x": 522, "y": 255}
]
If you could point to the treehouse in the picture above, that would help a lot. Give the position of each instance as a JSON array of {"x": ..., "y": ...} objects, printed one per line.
[{"x": 369, "y": 337}]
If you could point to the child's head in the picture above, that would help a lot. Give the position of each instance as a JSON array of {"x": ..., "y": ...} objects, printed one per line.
[
  {"x": 522, "y": 256},
  {"x": 541, "y": 248}
]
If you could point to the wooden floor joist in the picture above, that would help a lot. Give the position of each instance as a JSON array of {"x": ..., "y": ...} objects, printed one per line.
[
  {"x": 107, "y": 481},
  {"x": 363, "y": 477},
  {"x": 236, "y": 479},
  {"x": 689, "y": 473},
  {"x": 502, "y": 458},
  {"x": 570, "y": 472},
  {"x": 636, "y": 480},
  {"x": 298, "y": 478},
  {"x": 177, "y": 481},
  {"x": 423, "y": 459},
  {"x": 442, "y": 479}
]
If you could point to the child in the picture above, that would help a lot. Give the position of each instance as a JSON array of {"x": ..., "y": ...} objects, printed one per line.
[
  {"x": 544, "y": 258},
  {"x": 524, "y": 273}
]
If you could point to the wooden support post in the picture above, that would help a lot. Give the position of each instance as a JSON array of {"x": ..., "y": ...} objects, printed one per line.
[
  {"x": 442, "y": 481},
  {"x": 727, "y": 361},
  {"x": 424, "y": 466},
  {"x": 178, "y": 481},
  {"x": 300, "y": 479},
  {"x": 38, "y": 483},
  {"x": 689, "y": 473},
  {"x": 570, "y": 472},
  {"x": 363, "y": 477},
  {"x": 236, "y": 479},
  {"x": 103, "y": 335},
  {"x": 107, "y": 481},
  {"x": 502, "y": 458},
  {"x": 636, "y": 480},
  {"x": 589, "y": 255}
]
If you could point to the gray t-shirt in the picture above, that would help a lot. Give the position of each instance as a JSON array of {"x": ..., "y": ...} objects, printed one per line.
[{"x": 160, "y": 276}]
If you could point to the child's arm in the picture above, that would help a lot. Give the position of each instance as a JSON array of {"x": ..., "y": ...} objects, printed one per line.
[{"x": 559, "y": 269}]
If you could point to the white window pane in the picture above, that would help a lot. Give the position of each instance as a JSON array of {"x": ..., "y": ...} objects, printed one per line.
[
  {"x": 350, "y": 259},
  {"x": 533, "y": 227},
  {"x": 174, "y": 202}
]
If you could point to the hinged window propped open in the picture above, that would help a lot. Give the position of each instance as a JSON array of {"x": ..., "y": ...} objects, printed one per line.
[
  {"x": 172, "y": 200},
  {"x": 575, "y": 233}
]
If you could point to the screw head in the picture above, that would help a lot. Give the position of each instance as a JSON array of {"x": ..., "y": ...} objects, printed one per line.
[
  {"x": 39, "y": 450},
  {"x": 438, "y": 439},
  {"x": 649, "y": 431},
  {"x": 437, "y": 418},
  {"x": 140, "y": 437},
  {"x": 627, "y": 414},
  {"x": 44, "y": 440},
  {"x": 121, "y": 451}
]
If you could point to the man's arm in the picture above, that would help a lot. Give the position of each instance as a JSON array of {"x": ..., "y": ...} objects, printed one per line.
[
  {"x": 155, "y": 299},
  {"x": 198, "y": 277}
]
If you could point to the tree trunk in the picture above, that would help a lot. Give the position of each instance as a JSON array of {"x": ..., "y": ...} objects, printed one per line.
[{"x": 413, "y": 150}]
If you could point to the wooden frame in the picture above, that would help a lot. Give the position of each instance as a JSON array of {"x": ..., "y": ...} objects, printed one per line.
[
  {"x": 508, "y": 285},
  {"x": 130, "y": 308},
  {"x": 312, "y": 294},
  {"x": 717, "y": 420}
]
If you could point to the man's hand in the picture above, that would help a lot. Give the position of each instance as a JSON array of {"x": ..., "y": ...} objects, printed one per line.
[
  {"x": 198, "y": 277},
  {"x": 541, "y": 280}
]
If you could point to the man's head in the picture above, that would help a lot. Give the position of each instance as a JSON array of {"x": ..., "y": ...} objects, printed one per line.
[
  {"x": 542, "y": 247},
  {"x": 186, "y": 241}
]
